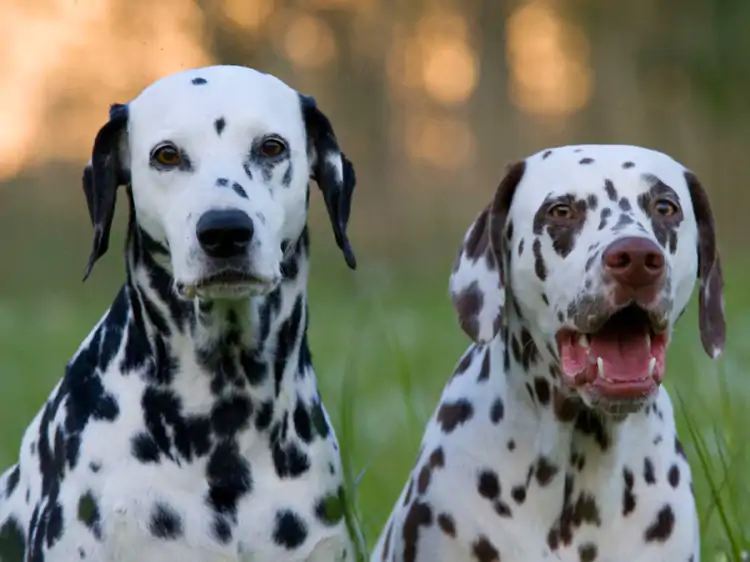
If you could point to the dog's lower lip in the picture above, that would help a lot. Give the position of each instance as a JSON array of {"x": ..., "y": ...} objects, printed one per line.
[{"x": 232, "y": 278}]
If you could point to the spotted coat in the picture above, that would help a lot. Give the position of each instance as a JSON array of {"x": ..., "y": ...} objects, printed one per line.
[
  {"x": 517, "y": 465},
  {"x": 188, "y": 425}
]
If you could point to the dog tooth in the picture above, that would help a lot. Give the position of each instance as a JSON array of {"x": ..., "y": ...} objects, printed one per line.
[
  {"x": 648, "y": 340},
  {"x": 583, "y": 341},
  {"x": 600, "y": 367},
  {"x": 651, "y": 366}
]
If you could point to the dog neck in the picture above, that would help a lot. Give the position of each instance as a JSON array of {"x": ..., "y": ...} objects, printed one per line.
[
  {"x": 533, "y": 375},
  {"x": 256, "y": 345}
]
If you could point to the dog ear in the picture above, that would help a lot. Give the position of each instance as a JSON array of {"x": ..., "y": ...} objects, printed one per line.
[
  {"x": 104, "y": 173},
  {"x": 477, "y": 283},
  {"x": 711, "y": 281},
  {"x": 332, "y": 171}
]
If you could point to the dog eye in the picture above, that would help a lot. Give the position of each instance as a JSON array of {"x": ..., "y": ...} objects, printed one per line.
[
  {"x": 560, "y": 211},
  {"x": 665, "y": 207},
  {"x": 167, "y": 155},
  {"x": 272, "y": 148}
]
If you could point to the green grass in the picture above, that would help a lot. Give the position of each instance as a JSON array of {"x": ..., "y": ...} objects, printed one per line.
[{"x": 384, "y": 344}]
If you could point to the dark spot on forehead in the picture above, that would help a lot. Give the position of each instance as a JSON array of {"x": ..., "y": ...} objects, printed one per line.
[
  {"x": 546, "y": 154},
  {"x": 222, "y": 182},
  {"x": 219, "y": 125},
  {"x": 576, "y": 150},
  {"x": 586, "y": 161},
  {"x": 237, "y": 188},
  {"x": 199, "y": 81},
  {"x": 609, "y": 188},
  {"x": 628, "y": 164},
  {"x": 624, "y": 220},
  {"x": 624, "y": 204}
]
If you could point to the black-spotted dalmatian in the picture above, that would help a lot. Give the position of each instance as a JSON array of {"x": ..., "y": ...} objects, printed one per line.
[
  {"x": 188, "y": 426},
  {"x": 554, "y": 439}
]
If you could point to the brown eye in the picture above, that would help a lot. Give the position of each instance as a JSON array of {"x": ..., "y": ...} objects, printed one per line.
[
  {"x": 561, "y": 211},
  {"x": 167, "y": 155},
  {"x": 272, "y": 148},
  {"x": 665, "y": 208}
]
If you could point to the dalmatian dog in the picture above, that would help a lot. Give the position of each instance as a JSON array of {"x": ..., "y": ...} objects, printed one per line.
[
  {"x": 188, "y": 426},
  {"x": 554, "y": 439}
]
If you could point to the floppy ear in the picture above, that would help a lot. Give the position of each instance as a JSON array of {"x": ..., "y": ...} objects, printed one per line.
[
  {"x": 332, "y": 171},
  {"x": 477, "y": 283},
  {"x": 101, "y": 178},
  {"x": 711, "y": 281}
]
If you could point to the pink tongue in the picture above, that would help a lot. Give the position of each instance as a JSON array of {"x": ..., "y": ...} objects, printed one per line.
[{"x": 625, "y": 357}]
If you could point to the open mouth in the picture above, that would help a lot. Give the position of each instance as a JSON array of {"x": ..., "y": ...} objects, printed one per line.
[{"x": 623, "y": 359}]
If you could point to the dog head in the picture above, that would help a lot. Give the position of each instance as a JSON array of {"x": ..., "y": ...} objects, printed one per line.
[
  {"x": 598, "y": 248},
  {"x": 219, "y": 160}
]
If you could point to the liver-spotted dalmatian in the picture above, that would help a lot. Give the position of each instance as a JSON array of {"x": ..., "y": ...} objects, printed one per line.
[
  {"x": 555, "y": 439},
  {"x": 188, "y": 427}
]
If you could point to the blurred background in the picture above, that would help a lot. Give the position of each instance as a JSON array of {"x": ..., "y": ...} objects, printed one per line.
[{"x": 430, "y": 99}]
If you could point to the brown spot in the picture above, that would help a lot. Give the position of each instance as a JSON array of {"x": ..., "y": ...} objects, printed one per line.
[
  {"x": 484, "y": 551},
  {"x": 423, "y": 481},
  {"x": 447, "y": 525},
  {"x": 541, "y": 386},
  {"x": 627, "y": 164},
  {"x": 545, "y": 471},
  {"x": 452, "y": 414},
  {"x": 566, "y": 409},
  {"x": 661, "y": 528},
  {"x": 488, "y": 485},
  {"x": 648, "y": 471},
  {"x": 419, "y": 515},
  {"x": 497, "y": 410},
  {"x": 587, "y": 552},
  {"x": 674, "y": 476},
  {"x": 468, "y": 304},
  {"x": 484, "y": 371},
  {"x": 539, "y": 266},
  {"x": 586, "y": 161},
  {"x": 628, "y": 497},
  {"x": 387, "y": 543}
]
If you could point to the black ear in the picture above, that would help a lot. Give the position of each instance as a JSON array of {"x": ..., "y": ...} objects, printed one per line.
[
  {"x": 332, "y": 171},
  {"x": 710, "y": 279},
  {"x": 101, "y": 177}
]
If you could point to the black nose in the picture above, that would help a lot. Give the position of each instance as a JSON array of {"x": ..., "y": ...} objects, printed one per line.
[{"x": 224, "y": 234}]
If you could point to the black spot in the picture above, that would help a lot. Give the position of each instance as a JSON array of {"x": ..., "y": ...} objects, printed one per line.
[
  {"x": 539, "y": 266},
  {"x": 302, "y": 422},
  {"x": 238, "y": 189},
  {"x": 95, "y": 466},
  {"x": 648, "y": 471},
  {"x": 289, "y": 530},
  {"x": 624, "y": 204},
  {"x": 330, "y": 509},
  {"x": 229, "y": 478},
  {"x": 627, "y": 165},
  {"x": 221, "y": 529},
  {"x": 88, "y": 513},
  {"x": 604, "y": 215},
  {"x": 488, "y": 485},
  {"x": 518, "y": 493},
  {"x": 12, "y": 542},
  {"x": 545, "y": 471},
  {"x": 165, "y": 522},
  {"x": 221, "y": 182},
  {"x": 610, "y": 190},
  {"x": 484, "y": 550},
  {"x": 12, "y": 482},
  {"x": 231, "y": 415},
  {"x": 219, "y": 125},
  {"x": 661, "y": 528},
  {"x": 199, "y": 81},
  {"x": 541, "y": 386},
  {"x": 587, "y": 552},
  {"x": 54, "y": 525},
  {"x": 497, "y": 410},
  {"x": 265, "y": 415},
  {"x": 511, "y": 445},
  {"x": 546, "y": 154},
  {"x": 144, "y": 448},
  {"x": 674, "y": 476},
  {"x": 628, "y": 498},
  {"x": 586, "y": 161},
  {"x": 447, "y": 524},
  {"x": 419, "y": 515}
]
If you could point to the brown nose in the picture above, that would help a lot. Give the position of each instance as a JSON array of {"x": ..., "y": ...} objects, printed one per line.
[{"x": 634, "y": 261}]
